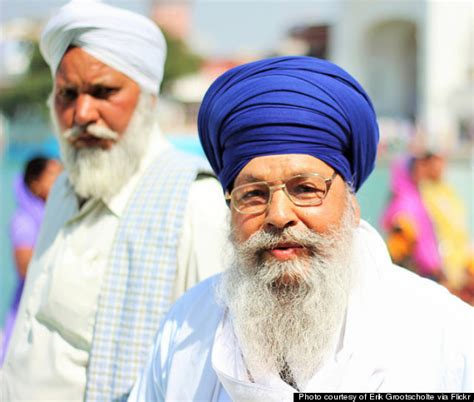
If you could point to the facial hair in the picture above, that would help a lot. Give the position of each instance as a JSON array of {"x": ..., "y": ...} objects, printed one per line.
[
  {"x": 101, "y": 173},
  {"x": 297, "y": 322}
]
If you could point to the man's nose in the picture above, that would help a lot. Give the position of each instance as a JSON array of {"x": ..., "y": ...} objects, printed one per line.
[
  {"x": 280, "y": 213},
  {"x": 86, "y": 111}
]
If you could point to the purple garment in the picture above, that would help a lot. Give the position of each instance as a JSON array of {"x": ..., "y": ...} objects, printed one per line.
[
  {"x": 406, "y": 199},
  {"x": 24, "y": 230},
  {"x": 10, "y": 320},
  {"x": 26, "y": 221}
]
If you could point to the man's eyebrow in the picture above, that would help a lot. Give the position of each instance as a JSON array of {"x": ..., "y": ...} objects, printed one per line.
[
  {"x": 66, "y": 89},
  {"x": 103, "y": 83},
  {"x": 105, "y": 80},
  {"x": 249, "y": 178}
]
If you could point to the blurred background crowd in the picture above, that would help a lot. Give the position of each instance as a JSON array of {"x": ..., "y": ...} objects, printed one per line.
[{"x": 414, "y": 58}]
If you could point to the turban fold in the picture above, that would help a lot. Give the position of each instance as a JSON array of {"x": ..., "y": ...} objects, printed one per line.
[
  {"x": 125, "y": 41},
  {"x": 288, "y": 105}
]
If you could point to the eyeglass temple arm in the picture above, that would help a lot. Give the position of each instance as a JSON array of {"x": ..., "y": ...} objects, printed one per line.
[
  {"x": 228, "y": 199},
  {"x": 330, "y": 180}
]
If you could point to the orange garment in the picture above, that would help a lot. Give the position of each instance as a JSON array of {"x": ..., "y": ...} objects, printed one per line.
[{"x": 401, "y": 240}]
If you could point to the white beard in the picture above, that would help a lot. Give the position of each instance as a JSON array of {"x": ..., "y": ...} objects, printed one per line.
[
  {"x": 297, "y": 323},
  {"x": 101, "y": 173}
]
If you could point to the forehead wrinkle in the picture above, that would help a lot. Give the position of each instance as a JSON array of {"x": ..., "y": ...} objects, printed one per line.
[
  {"x": 82, "y": 68},
  {"x": 251, "y": 178}
]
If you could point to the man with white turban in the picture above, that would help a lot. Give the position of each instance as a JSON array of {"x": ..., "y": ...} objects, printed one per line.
[
  {"x": 129, "y": 226},
  {"x": 311, "y": 302}
]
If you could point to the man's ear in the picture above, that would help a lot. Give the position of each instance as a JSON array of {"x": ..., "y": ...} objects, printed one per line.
[{"x": 356, "y": 208}]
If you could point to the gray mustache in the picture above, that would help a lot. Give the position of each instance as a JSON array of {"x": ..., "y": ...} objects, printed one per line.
[
  {"x": 95, "y": 130},
  {"x": 264, "y": 240}
]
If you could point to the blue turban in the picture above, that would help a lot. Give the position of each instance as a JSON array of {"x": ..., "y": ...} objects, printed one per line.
[{"x": 288, "y": 105}]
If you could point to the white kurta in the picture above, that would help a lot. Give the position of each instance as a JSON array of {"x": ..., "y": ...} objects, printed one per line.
[
  {"x": 401, "y": 333},
  {"x": 49, "y": 350}
]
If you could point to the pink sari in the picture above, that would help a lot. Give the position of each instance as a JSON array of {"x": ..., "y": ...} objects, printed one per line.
[{"x": 406, "y": 200}]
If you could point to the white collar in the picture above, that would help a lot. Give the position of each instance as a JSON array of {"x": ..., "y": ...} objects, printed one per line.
[{"x": 230, "y": 368}]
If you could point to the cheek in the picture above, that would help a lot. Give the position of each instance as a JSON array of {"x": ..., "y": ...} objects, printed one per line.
[
  {"x": 245, "y": 226},
  {"x": 321, "y": 220},
  {"x": 116, "y": 118},
  {"x": 64, "y": 116},
  {"x": 117, "y": 114}
]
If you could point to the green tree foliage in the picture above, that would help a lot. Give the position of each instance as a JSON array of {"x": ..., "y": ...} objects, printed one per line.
[
  {"x": 31, "y": 91},
  {"x": 180, "y": 61}
]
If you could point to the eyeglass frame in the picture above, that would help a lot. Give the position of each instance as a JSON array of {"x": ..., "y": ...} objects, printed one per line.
[{"x": 327, "y": 180}]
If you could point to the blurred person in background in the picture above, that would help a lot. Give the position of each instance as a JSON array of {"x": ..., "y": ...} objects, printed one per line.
[
  {"x": 130, "y": 225},
  {"x": 411, "y": 236},
  {"x": 448, "y": 213},
  {"x": 31, "y": 191}
]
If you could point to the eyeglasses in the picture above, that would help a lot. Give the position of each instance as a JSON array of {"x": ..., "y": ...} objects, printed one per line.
[{"x": 303, "y": 190}]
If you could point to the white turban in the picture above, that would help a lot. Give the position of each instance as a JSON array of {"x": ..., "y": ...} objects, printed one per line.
[{"x": 125, "y": 41}]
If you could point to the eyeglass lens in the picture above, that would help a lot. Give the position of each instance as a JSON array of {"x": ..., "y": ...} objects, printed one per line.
[{"x": 305, "y": 190}]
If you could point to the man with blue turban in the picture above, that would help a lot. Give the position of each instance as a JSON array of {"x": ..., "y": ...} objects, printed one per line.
[
  {"x": 127, "y": 228},
  {"x": 311, "y": 301}
]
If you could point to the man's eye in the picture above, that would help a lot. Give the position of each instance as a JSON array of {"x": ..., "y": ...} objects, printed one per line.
[
  {"x": 67, "y": 94},
  {"x": 306, "y": 190},
  {"x": 255, "y": 195},
  {"x": 103, "y": 92}
]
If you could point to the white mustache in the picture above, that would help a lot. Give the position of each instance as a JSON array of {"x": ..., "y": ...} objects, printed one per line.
[
  {"x": 264, "y": 240},
  {"x": 95, "y": 130}
]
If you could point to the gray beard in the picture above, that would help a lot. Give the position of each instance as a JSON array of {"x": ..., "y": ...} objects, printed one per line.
[
  {"x": 297, "y": 324},
  {"x": 101, "y": 173}
]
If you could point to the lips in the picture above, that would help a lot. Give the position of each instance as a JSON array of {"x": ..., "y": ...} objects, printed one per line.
[
  {"x": 89, "y": 141},
  {"x": 286, "y": 251}
]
